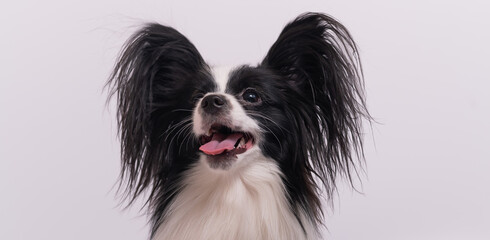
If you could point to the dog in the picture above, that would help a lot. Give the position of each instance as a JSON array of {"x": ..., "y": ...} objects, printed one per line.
[{"x": 239, "y": 153}]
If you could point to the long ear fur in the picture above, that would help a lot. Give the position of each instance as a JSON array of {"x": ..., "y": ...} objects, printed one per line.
[
  {"x": 157, "y": 71},
  {"x": 320, "y": 61}
]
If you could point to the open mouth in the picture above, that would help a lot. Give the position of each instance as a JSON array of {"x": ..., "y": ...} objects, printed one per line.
[{"x": 222, "y": 140}]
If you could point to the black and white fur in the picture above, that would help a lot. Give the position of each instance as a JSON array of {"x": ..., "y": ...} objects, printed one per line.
[{"x": 301, "y": 107}]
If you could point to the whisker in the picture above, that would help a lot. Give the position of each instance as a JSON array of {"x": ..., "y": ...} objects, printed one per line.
[
  {"x": 268, "y": 119},
  {"x": 275, "y": 136},
  {"x": 175, "y": 126},
  {"x": 184, "y": 129},
  {"x": 188, "y": 138},
  {"x": 182, "y": 110}
]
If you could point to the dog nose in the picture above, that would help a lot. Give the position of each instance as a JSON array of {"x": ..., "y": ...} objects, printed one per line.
[{"x": 214, "y": 103}]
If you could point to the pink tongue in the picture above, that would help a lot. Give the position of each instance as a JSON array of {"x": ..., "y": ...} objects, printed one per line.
[{"x": 220, "y": 143}]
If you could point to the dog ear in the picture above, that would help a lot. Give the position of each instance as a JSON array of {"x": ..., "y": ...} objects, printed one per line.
[
  {"x": 317, "y": 57},
  {"x": 153, "y": 81}
]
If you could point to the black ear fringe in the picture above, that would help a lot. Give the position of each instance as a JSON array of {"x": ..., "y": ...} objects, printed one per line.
[
  {"x": 319, "y": 59},
  {"x": 152, "y": 81}
]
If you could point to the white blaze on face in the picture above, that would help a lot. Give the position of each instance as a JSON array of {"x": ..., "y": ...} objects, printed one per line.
[{"x": 221, "y": 76}]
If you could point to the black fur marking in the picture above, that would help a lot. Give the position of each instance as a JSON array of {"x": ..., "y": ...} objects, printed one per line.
[
  {"x": 158, "y": 74},
  {"x": 323, "y": 94}
]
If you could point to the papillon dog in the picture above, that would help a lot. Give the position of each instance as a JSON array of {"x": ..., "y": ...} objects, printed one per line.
[{"x": 241, "y": 153}]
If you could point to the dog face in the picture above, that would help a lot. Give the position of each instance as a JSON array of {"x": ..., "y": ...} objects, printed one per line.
[{"x": 242, "y": 116}]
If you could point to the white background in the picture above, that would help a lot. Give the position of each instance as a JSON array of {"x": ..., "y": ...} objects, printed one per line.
[{"x": 426, "y": 65}]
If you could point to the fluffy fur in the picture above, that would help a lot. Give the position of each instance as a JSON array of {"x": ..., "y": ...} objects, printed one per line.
[{"x": 299, "y": 111}]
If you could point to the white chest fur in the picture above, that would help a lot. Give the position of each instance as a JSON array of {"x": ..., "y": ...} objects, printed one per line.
[{"x": 241, "y": 204}]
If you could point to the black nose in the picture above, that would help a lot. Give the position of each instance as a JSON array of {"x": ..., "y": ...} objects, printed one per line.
[{"x": 213, "y": 103}]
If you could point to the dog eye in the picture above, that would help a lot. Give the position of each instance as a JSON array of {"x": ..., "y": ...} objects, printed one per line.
[
  {"x": 196, "y": 97},
  {"x": 251, "y": 96}
]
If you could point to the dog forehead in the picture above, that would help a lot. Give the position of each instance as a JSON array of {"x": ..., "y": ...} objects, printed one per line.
[{"x": 221, "y": 76}]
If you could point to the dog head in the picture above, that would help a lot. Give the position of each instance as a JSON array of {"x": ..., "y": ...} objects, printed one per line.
[{"x": 302, "y": 107}]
